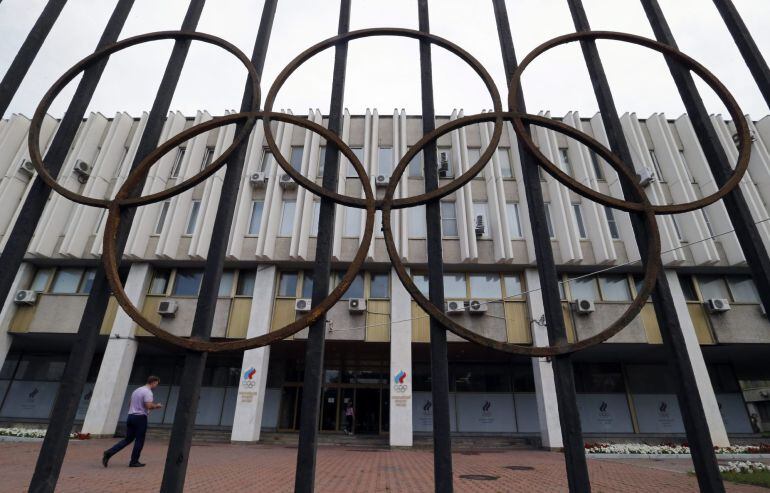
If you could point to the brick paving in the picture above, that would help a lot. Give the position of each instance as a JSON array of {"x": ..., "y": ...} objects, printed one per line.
[{"x": 270, "y": 468}]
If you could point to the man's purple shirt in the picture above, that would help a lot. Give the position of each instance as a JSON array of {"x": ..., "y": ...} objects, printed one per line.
[{"x": 138, "y": 398}]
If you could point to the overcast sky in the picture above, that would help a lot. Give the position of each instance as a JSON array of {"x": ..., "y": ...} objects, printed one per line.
[{"x": 383, "y": 73}]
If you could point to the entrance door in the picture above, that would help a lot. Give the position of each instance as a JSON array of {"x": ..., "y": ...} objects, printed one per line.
[{"x": 367, "y": 409}]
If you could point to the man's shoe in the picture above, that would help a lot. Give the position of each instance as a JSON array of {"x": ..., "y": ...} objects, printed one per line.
[
  {"x": 105, "y": 458},
  {"x": 136, "y": 464}
]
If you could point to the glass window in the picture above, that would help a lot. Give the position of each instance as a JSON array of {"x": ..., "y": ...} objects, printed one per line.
[
  {"x": 415, "y": 166},
  {"x": 615, "y": 288},
  {"x": 43, "y": 367},
  {"x": 296, "y": 157},
  {"x": 417, "y": 226},
  {"x": 379, "y": 286},
  {"x": 192, "y": 219},
  {"x": 514, "y": 222},
  {"x": 359, "y": 152},
  {"x": 67, "y": 280},
  {"x": 444, "y": 162},
  {"x": 162, "y": 217},
  {"x": 177, "y": 162},
  {"x": 676, "y": 228},
  {"x": 548, "y": 221},
  {"x": 287, "y": 287},
  {"x": 307, "y": 284},
  {"x": 378, "y": 223},
  {"x": 486, "y": 286},
  {"x": 481, "y": 378},
  {"x": 316, "y": 218},
  {"x": 686, "y": 167},
  {"x": 579, "y": 221},
  {"x": 40, "y": 282},
  {"x": 504, "y": 157},
  {"x": 598, "y": 378},
  {"x": 256, "y": 217},
  {"x": 187, "y": 282},
  {"x": 708, "y": 222},
  {"x": 87, "y": 281},
  {"x": 688, "y": 288},
  {"x": 245, "y": 285},
  {"x": 321, "y": 161},
  {"x": 352, "y": 222},
  {"x": 713, "y": 287},
  {"x": 474, "y": 154},
  {"x": 566, "y": 165},
  {"x": 385, "y": 160},
  {"x": 356, "y": 289},
  {"x": 287, "y": 218},
  {"x": 159, "y": 282},
  {"x": 649, "y": 379},
  {"x": 208, "y": 156},
  {"x": 421, "y": 281},
  {"x": 598, "y": 170},
  {"x": 656, "y": 165},
  {"x": 584, "y": 288},
  {"x": 481, "y": 210},
  {"x": 513, "y": 286},
  {"x": 267, "y": 158},
  {"x": 448, "y": 219},
  {"x": 454, "y": 286},
  {"x": 743, "y": 289},
  {"x": 613, "y": 225},
  {"x": 226, "y": 284}
]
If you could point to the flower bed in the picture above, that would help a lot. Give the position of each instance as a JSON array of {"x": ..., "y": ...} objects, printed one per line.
[
  {"x": 744, "y": 467},
  {"x": 30, "y": 433},
  {"x": 669, "y": 448}
]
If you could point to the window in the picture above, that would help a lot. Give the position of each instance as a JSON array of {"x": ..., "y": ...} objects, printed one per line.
[
  {"x": 481, "y": 209},
  {"x": 296, "y": 157},
  {"x": 676, "y": 228},
  {"x": 584, "y": 288},
  {"x": 177, "y": 166},
  {"x": 688, "y": 288},
  {"x": 708, "y": 222},
  {"x": 713, "y": 287},
  {"x": 192, "y": 219},
  {"x": 421, "y": 281},
  {"x": 256, "y": 217},
  {"x": 656, "y": 165},
  {"x": 287, "y": 287},
  {"x": 417, "y": 226},
  {"x": 615, "y": 288},
  {"x": 287, "y": 218},
  {"x": 208, "y": 156},
  {"x": 316, "y": 218},
  {"x": 504, "y": 157},
  {"x": 67, "y": 281},
  {"x": 415, "y": 166},
  {"x": 613, "y": 225},
  {"x": 379, "y": 286},
  {"x": 307, "y": 284},
  {"x": 444, "y": 160},
  {"x": 378, "y": 223},
  {"x": 159, "y": 282},
  {"x": 514, "y": 224},
  {"x": 356, "y": 289},
  {"x": 321, "y": 161},
  {"x": 566, "y": 165},
  {"x": 454, "y": 286},
  {"x": 40, "y": 282},
  {"x": 245, "y": 285},
  {"x": 579, "y": 221},
  {"x": 598, "y": 378},
  {"x": 187, "y": 282},
  {"x": 474, "y": 154},
  {"x": 359, "y": 152},
  {"x": 385, "y": 161},
  {"x": 513, "y": 286},
  {"x": 226, "y": 284},
  {"x": 448, "y": 219},
  {"x": 162, "y": 217},
  {"x": 598, "y": 170},
  {"x": 743, "y": 289},
  {"x": 87, "y": 282},
  {"x": 352, "y": 226},
  {"x": 548, "y": 220},
  {"x": 486, "y": 286},
  {"x": 267, "y": 158},
  {"x": 686, "y": 167}
]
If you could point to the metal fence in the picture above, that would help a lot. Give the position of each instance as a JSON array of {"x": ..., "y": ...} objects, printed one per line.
[{"x": 120, "y": 212}]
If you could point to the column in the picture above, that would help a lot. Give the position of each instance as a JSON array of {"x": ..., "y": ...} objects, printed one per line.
[
  {"x": 118, "y": 361},
  {"x": 247, "y": 423},
  {"x": 400, "y": 364},
  {"x": 23, "y": 278},
  {"x": 545, "y": 388},
  {"x": 706, "y": 391}
]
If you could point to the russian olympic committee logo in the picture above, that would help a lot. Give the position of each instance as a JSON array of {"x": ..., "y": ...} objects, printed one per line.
[
  {"x": 398, "y": 382},
  {"x": 248, "y": 376}
]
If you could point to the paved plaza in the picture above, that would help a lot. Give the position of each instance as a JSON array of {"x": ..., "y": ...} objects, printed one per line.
[{"x": 270, "y": 468}]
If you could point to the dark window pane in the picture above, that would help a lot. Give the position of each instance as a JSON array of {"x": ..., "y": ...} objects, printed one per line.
[
  {"x": 288, "y": 285},
  {"x": 188, "y": 282},
  {"x": 380, "y": 286},
  {"x": 245, "y": 283}
]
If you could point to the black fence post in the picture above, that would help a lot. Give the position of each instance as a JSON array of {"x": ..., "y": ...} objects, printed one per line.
[{"x": 564, "y": 377}]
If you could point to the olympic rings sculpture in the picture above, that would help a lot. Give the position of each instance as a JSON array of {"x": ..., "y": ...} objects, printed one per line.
[{"x": 127, "y": 198}]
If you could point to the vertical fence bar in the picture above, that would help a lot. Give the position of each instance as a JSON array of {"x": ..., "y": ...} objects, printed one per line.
[
  {"x": 564, "y": 377},
  {"x": 36, "y": 199},
  {"x": 27, "y": 53},
  {"x": 65, "y": 406},
  {"x": 746, "y": 45},
  {"x": 439, "y": 364},
  {"x": 693, "y": 416},
  {"x": 195, "y": 362},
  {"x": 304, "y": 479}
]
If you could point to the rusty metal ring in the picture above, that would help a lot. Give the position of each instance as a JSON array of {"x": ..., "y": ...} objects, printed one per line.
[
  {"x": 111, "y": 261},
  {"x": 653, "y": 264},
  {"x": 34, "y": 132},
  {"x": 357, "y": 202},
  {"x": 744, "y": 134}
]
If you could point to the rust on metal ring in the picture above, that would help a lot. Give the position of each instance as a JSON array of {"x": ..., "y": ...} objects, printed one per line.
[{"x": 744, "y": 134}]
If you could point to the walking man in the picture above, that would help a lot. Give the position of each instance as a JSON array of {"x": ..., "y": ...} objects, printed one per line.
[{"x": 136, "y": 425}]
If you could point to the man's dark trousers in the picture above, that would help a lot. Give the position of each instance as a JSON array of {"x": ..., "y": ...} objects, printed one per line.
[{"x": 136, "y": 428}]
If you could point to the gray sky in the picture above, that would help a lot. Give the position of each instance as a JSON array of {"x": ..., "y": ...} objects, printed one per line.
[{"x": 383, "y": 73}]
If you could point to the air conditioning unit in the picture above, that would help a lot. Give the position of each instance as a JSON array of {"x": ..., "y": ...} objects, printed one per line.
[
  {"x": 646, "y": 176},
  {"x": 477, "y": 307},
  {"x": 443, "y": 165},
  {"x": 480, "y": 227},
  {"x": 287, "y": 181},
  {"x": 584, "y": 306},
  {"x": 167, "y": 308},
  {"x": 455, "y": 307},
  {"x": 258, "y": 179},
  {"x": 82, "y": 168},
  {"x": 382, "y": 180},
  {"x": 302, "y": 305},
  {"x": 27, "y": 167},
  {"x": 717, "y": 305},
  {"x": 25, "y": 297},
  {"x": 356, "y": 305}
]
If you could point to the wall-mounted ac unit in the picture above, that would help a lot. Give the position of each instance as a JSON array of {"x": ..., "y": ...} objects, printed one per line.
[
  {"x": 287, "y": 181},
  {"x": 167, "y": 308},
  {"x": 302, "y": 305},
  {"x": 82, "y": 168},
  {"x": 27, "y": 167},
  {"x": 453, "y": 307},
  {"x": 356, "y": 305},
  {"x": 477, "y": 307},
  {"x": 584, "y": 307},
  {"x": 258, "y": 179},
  {"x": 480, "y": 226},
  {"x": 717, "y": 305},
  {"x": 646, "y": 176},
  {"x": 382, "y": 180},
  {"x": 25, "y": 297}
]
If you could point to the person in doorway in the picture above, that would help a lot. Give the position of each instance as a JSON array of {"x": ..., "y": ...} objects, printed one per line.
[
  {"x": 136, "y": 425},
  {"x": 349, "y": 415}
]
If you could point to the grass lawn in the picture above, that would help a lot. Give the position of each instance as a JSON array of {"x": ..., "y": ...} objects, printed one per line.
[{"x": 757, "y": 478}]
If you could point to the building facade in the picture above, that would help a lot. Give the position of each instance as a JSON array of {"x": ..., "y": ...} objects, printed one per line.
[{"x": 377, "y": 356}]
